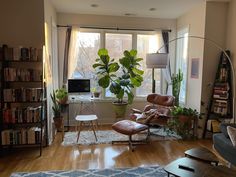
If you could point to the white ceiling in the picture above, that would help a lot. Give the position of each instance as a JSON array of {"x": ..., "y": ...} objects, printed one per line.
[{"x": 140, "y": 8}]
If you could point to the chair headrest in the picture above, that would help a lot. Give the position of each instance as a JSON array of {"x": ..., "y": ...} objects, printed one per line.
[{"x": 163, "y": 100}]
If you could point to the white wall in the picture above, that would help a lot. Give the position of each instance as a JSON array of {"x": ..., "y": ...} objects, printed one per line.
[
  {"x": 195, "y": 20},
  {"x": 104, "y": 109},
  {"x": 21, "y": 25}
]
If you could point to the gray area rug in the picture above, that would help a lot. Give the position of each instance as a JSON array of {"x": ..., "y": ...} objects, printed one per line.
[
  {"x": 154, "y": 171},
  {"x": 107, "y": 136}
]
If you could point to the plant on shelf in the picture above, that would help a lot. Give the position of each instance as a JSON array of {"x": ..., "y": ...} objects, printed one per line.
[
  {"x": 120, "y": 77},
  {"x": 61, "y": 95},
  {"x": 176, "y": 80},
  {"x": 96, "y": 92},
  {"x": 183, "y": 120},
  {"x": 56, "y": 108}
]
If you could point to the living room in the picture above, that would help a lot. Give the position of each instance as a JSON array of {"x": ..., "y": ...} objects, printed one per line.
[{"x": 63, "y": 38}]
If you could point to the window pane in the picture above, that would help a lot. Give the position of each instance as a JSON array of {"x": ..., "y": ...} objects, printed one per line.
[
  {"x": 148, "y": 44},
  {"x": 116, "y": 44},
  {"x": 89, "y": 44},
  {"x": 181, "y": 61}
]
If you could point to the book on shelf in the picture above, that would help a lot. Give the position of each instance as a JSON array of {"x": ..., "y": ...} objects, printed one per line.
[
  {"x": 23, "y": 95},
  {"x": 23, "y": 54},
  {"x": 22, "y": 115},
  {"x": 223, "y": 74},
  {"x": 221, "y": 86},
  {"x": 18, "y": 74},
  {"x": 22, "y": 136}
]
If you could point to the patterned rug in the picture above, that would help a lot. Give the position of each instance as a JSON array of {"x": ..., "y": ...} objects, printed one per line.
[
  {"x": 154, "y": 171},
  {"x": 107, "y": 136}
]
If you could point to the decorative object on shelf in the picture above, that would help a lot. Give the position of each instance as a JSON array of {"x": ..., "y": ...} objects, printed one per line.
[
  {"x": 56, "y": 108},
  {"x": 61, "y": 95},
  {"x": 155, "y": 61},
  {"x": 176, "y": 80},
  {"x": 226, "y": 59},
  {"x": 183, "y": 121},
  {"x": 119, "y": 82}
]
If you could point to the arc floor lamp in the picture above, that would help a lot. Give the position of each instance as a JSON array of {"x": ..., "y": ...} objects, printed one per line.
[{"x": 160, "y": 60}]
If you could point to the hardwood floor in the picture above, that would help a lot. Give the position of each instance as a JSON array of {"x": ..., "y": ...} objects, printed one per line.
[{"x": 58, "y": 157}]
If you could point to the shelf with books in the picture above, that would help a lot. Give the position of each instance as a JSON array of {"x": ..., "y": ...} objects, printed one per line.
[
  {"x": 220, "y": 106},
  {"x": 23, "y": 104}
]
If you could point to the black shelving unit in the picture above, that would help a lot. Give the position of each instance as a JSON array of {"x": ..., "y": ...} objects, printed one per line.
[
  {"x": 26, "y": 119},
  {"x": 221, "y": 104}
]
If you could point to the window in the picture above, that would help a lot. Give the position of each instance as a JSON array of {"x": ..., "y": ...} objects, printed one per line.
[
  {"x": 148, "y": 44},
  {"x": 182, "y": 61},
  {"x": 116, "y": 44},
  {"x": 89, "y": 42}
]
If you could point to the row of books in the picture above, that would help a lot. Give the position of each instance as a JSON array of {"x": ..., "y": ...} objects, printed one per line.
[
  {"x": 21, "y": 137},
  {"x": 220, "y": 110},
  {"x": 17, "y": 74},
  {"x": 23, "y": 95},
  {"x": 22, "y": 54},
  {"x": 22, "y": 115},
  {"x": 221, "y": 86}
]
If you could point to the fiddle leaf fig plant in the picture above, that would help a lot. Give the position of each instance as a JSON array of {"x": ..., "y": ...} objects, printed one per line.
[{"x": 120, "y": 77}]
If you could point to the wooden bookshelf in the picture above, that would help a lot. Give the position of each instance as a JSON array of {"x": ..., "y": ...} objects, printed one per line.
[
  {"x": 220, "y": 106},
  {"x": 23, "y": 120}
]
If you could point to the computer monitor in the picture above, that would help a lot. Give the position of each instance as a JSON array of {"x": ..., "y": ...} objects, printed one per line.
[{"x": 78, "y": 85}]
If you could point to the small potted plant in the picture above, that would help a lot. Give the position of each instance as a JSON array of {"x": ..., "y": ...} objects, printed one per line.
[
  {"x": 96, "y": 92},
  {"x": 56, "y": 108},
  {"x": 61, "y": 95},
  {"x": 182, "y": 121}
]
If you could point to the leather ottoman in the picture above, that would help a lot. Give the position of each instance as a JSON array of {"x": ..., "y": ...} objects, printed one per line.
[{"x": 130, "y": 128}]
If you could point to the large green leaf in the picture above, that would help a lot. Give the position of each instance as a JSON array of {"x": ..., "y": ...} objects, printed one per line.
[
  {"x": 133, "y": 53},
  {"x": 126, "y": 53},
  {"x": 102, "y": 52},
  {"x": 104, "y": 81},
  {"x": 124, "y": 82},
  {"x": 97, "y": 64},
  {"x": 138, "y": 59},
  {"x": 136, "y": 82},
  {"x": 137, "y": 71},
  {"x": 115, "y": 88},
  {"x": 113, "y": 67},
  {"x": 125, "y": 61},
  {"x": 105, "y": 59}
]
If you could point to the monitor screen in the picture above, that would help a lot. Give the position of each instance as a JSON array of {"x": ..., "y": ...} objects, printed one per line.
[{"x": 78, "y": 85}]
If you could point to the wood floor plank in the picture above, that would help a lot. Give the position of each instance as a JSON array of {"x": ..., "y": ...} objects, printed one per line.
[{"x": 58, "y": 157}]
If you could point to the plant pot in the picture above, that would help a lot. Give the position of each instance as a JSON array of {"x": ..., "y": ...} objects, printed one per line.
[
  {"x": 58, "y": 121},
  {"x": 63, "y": 101},
  {"x": 96, "y": 94},
  {"x": 120, "y": 109},
  {"x": 185, "y": 120}
]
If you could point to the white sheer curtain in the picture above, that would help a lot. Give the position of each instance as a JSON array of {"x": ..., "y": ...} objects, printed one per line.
[{"x": 73, "y": 51}]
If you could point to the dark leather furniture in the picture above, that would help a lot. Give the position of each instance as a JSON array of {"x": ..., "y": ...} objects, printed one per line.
[{"x": 158, "y": 112}]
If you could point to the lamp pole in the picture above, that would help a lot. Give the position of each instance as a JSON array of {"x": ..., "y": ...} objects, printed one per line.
[
  {"x": 218, "y": 47},
  {"x": 153, "y": 81}
]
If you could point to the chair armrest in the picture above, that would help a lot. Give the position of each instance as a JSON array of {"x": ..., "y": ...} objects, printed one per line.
[{"x": 136, "y": 111}]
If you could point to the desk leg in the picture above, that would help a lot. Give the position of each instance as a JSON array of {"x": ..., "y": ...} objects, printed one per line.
[
  {"x": 80, "y": 127},
  {"x": 93, "y": 127}
]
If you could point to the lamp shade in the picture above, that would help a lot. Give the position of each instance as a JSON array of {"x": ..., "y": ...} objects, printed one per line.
[{"x": 156, "y": 60}]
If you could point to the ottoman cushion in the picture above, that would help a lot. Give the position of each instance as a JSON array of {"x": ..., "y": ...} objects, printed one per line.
[{"x": 128, "y": 127}]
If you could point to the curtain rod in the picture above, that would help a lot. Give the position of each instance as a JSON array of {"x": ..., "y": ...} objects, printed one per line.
[{"x": 115, "y": 28}]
